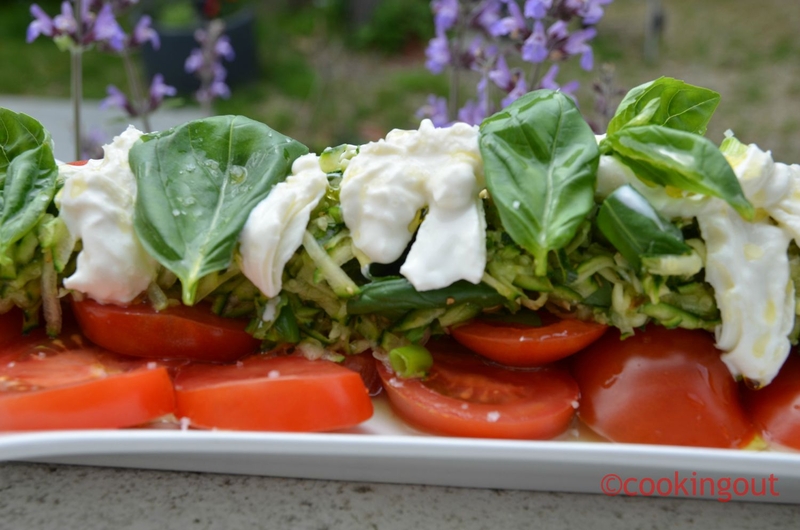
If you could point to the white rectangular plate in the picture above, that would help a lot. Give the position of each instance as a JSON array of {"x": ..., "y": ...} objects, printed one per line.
[{"x": 385, "y": 450}]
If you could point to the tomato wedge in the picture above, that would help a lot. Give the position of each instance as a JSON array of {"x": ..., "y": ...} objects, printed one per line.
[
  {"x": 464, "y": 396},
  {"x": 775, "y": 409},
  {"x": 661, "y": 386},
  {"x": 521, "y": 345},
  {"x": 178, "y": 332},
  {"x": 67, "y": 384},
  {"x": 286, "y": 393}
]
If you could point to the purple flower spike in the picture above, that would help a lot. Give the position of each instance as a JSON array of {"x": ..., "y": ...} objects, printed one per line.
[
  {"x": 445, "y": 14},
  {"x": 438, "y": 53},
  {"x": 501, "y": 75},
  {"x": 106, "y": 29},
  {"x": 487, "y": 14},
  {"x": 194, "y": 62},
  {"x": 549, "y": 82},
  {"x": 537, "y": 9},
  {"x": 534, "y": 49},
  {"x": 117, "y": 100},
  {"x": 65, "y": 22},
  {"x": 144, "y": 32},
  {"x": 558, "y": 31},
  {"x": 514, "y": 25},
  {"x": 520, "y": 88},
  {"x": 577, "y": 44},
  {"x": 592, "y": 11},
  {"x": 435, "y": 110},
  {"x": 159, "y": 90},
  {"x": 42, "y": 24},
  {"x": 224, "y": 49}
]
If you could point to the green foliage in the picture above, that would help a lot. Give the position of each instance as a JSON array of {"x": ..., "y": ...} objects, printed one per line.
[{"x": 396, "y": 24}]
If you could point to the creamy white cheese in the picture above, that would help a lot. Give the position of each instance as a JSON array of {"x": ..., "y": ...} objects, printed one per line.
[
  {"x": 274, "y": 230},
  {"x": 97, "y": 204},
  {"x": 388, "y": 182},
  {"x": 747, "y": 265},
  {"x": 746, "y": 262}
]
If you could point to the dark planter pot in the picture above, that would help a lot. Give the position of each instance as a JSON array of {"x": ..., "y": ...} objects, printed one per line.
[{"x": 177, "y": 44}]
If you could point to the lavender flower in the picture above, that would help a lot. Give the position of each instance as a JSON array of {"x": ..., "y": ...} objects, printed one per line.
[
  {"x": 537, "y": 9},
  {"x": 534, "y": 49},
  {"x": 159, "y": 90},
  {"x": 549, "y": 82},
  {"x": 97, "y": 26},
  {"x": 438, "y": 53},
  {"x": 487, "y": 14},
  {"x": 117, "y": 99},
  {"x": 542, "y": 32},
  {"x": 577, "y": 44},
  {"x": 206, "y": 63},
  {"x": 42, "y": 24},
  {"x": 592, "y": 11},
  {"x": 445, "y": 13},
  {"x": 106, "y": 29},
  {"x": 513, "y": 25},
  {"x": 143, "y": 32},
  {"x": 435, "y": 110},
  {"x": 518, "y": 89}
]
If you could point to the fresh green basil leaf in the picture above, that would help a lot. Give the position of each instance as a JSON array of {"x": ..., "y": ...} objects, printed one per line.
[
  {"x": 668, "y": 102},
  {"x": 18, "y": 133},
  {"x": 540, "y": 161},
  {"x": 636, "y": 229},
  {"x": 668, "y": 157},
  {"x": 398, "y": 295},
  {"x": 27, "y": 177},
  {"x": 198, "y": 183}
]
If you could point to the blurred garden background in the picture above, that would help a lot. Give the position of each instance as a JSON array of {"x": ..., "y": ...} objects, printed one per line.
[{"x": 334, "y": 71}]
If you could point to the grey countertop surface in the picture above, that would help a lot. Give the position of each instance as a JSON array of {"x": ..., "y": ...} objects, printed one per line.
[{"x": 44, "y": 496}]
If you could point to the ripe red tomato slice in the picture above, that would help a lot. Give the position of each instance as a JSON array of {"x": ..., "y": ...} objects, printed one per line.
[
  {"x": 775, "y": 409},
  {"x": 661, "y": 386},
  {"x": 178, "y": 332},
  {"x": 521, "y": 345},
  {"x": 286, "y": 393},
  {"x": 67, "y": 384},
  {"x": 364, "y": 364},
  {"x": 464, "y": 396}
]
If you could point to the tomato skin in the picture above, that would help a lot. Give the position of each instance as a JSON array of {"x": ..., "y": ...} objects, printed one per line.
[
  {"x": 523, "y": 346},
  {"x": 260, "y": 393},
  {"x": 61, "y": 384},
  {"x": 179, "y": 332},
  {"x": 661, "y": 386},
  {"x": 365, "y": 365},
  {"x": 464, "y": 396},
  {"x": 775, "y": 409}
]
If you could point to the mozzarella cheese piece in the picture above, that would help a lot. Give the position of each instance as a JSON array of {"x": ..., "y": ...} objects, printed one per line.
[
  {"x": 387, "y": 184},
  {"x": 749, "y": 269},
  {"x": 747, "y": 265},
  {"x": 274, "y": 230},
  {"x": 746, "y": 262},
  {"x": 97, "y": 204}
]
